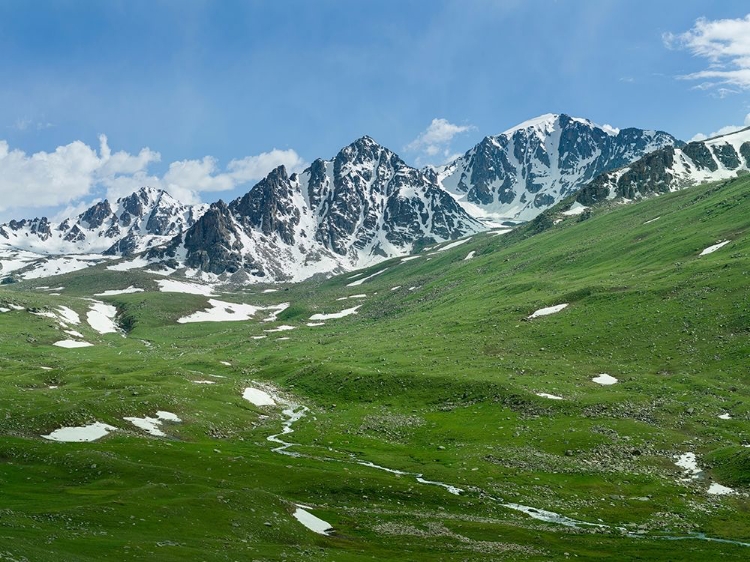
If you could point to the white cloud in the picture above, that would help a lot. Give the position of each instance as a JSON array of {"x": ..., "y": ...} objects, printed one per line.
[
  {"x": 723, "y": 131},
  {"x": 73, "y": 171},
  {"x": 726, "y": 46},
  {"x": 435, "y": 141}
]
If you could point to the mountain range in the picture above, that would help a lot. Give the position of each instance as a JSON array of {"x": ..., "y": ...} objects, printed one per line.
[{"x": 366, "y": 204}]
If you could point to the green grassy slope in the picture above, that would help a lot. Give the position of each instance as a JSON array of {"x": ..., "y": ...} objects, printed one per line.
[{"x": 437, "y": 374}]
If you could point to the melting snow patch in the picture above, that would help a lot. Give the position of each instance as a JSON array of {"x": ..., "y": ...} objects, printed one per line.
[
  {"x": 396, "y": 288},
  {"x": 453, "y": 245},
  {"x": 470, "y": 255},
  {"x": 282, "y": 328},
  {"x": 258, "y": 397},
  {"x": 408, "y": 258},
  {"x": 604, "y": 379},
  {"x": 360, "y": 296},
  {"x": 282, "y": 339},
  {"x": 3, "y": 309},
  {"x": 74, "y": 333},
  {"x": 725, "y": 417},
  {"x": 689, "y": 464},
  {"x": 575, "y": 209},
  {"x": 718, "y": 490},
  {"x": 548, "y": 310},
  {"x": 652, "y": 220},
  {"x": 203, "y": 382},
  {"x": 259, "y": 337},
  {"x": 68, "y": 315},
  {"x": 360, "y": 281},
  {"x": 712, "y": 249},
  {"x": 152, "y": 425},
  {"x": 345, "y": 312},
  {"x": 314, "y": 324},
  {"x": 315, "y": 524},
  {"x": 70, "y": 344},
  {"x": 550, "y": 396},
  {"x": 90, "y": 432},
  {"x": 222, "y": 311},
  {"x": 269, "y": 290},
  {"x": 101, "y": 317},
  {"x": 172, "y": 286},
  {"x": 113, "y": 292},
  {"x": 227, "y": 363}
]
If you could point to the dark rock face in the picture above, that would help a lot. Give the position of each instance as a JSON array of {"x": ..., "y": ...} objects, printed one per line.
[
  {"x": 699, "y": 153},
  {"x": 745, "y": 152},
  {"x": 210, "y": 244},
  {"x": 650, "y": 174},
  {"x": 726, "y": 154},
  {"x": 96, "y": 215},
  {"x": 269, "y": 206}
]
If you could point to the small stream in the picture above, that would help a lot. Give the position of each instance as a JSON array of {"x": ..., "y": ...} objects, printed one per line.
[{"x": 295, "y": 412}]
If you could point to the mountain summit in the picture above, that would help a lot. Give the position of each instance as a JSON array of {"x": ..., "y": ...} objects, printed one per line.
[{"x": 528, "y": 168}]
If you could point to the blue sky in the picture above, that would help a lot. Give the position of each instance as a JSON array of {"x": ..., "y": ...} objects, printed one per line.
[{"x": 204, "y": 97}]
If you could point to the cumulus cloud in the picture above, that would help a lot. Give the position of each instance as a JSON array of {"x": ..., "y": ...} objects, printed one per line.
[
  {"x": 723, "y": 131},
  {"x": 433, "y": 145},
  {"x": 725, "y": 44},
  {"x": 73, "y": 171}
]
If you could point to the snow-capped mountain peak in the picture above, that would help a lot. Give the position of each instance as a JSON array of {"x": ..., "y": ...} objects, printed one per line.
[{"x": 522, "y": 171}]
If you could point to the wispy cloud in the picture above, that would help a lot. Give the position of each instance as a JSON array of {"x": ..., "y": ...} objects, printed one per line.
[
  {"x": 433, "y": 145},
  {"x": 725, "y": 44},
  {"x": 25, "y": 124},
  {"x": 73, "y": 171},
  {"x": 723, "y": 131}
]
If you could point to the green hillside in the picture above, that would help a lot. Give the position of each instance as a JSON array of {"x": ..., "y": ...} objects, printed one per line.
[{"x": 438, "y": 373}]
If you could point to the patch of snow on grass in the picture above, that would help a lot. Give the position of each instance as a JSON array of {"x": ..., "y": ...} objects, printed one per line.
[
  {"x": 604, "y": 379},
  {"x": 550, "y": 396},
  {"x": 90, "y": 432},
  {"x": 113, "y": 292},
  {"x": 269, "y": 291},
  {"x": 575, "y": 209},
  {"x": 470, "y": 255},
  {"x": 652, "y": 220},
  {"x": 227, "y": 363},
  {"x": 548, "y": 310},
  {"x": 74, "y": 333},
  {"x": 203, "y": 382},
  {"x": 152, "y": 425},
  {"x": 453, "y": 244},
  {"x": 315, "y": 524},
  {"x": 222, "y": 311},
  {"x": 689, "y": 464},
  {"x": 314, "y": 324},
  {"x": 128, "y": 265},
  {"x": 712, "y": 249},
  {"x": 259, "y": 337},
  {"x": 716, "y": 489},
  {"x": 68, "y": 315},
  {"x": 172, "y": 286},
  {"x": 101, "y": 317},
  {"x": 258, "y": 397},
  {"x": 396, "y": 288},
  {"x": 360, "y": 281},
  {"x": 725, "y": 417},
  {"x": 345, "y": 312},
  {"x": 70, "y": 344},
  {"x": 408, "y": 258},
  {"x": 282, "y": 328},
  {"x": 360, "y": 296},
  {"x": 3, "y": 309}
]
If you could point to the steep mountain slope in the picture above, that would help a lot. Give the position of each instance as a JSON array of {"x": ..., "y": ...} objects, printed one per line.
[
  {"x": 361, "y": 207},
  {"x": 671, "y": 168},
  {"x": 526, "y": 169}
]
